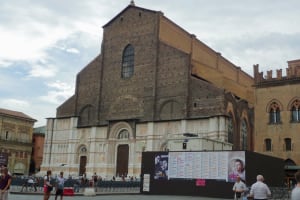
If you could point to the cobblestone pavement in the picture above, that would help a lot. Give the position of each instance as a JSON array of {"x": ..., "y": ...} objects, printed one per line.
[{"x": 110, "y": 197}]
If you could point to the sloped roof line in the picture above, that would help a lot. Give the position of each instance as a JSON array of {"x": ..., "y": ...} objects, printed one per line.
[
  {"x": 129, "y": 6},
  {"x": 15, "y": 114}
]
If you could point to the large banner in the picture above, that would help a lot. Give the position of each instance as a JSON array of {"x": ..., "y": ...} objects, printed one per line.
[{"x": 221, "y": 165}]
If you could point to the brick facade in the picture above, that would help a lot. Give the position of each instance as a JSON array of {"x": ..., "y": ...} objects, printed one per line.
[
  {"x": 178, "y": 85},
  {"x": 284, "y": 91}
]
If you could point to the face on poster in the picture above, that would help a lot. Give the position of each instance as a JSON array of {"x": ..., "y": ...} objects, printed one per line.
[
  {"x": 161, "y": 166},
  {"x": 236, "y": 162}
]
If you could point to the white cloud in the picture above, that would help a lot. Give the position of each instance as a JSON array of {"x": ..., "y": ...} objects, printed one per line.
[
  {"x": 73, "y": 50},
  {"x": 5, "y": 63},
  {"x": 42, "y": 71},
  {"x": 69, "y": 50},
  {"x": 14, "y": 104},
  {"x": 58, "y": 92}
]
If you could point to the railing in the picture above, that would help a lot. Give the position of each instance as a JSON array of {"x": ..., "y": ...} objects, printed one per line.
[
  {"x": 21, "y": 185},
  {"x": 281, "y": 193}
]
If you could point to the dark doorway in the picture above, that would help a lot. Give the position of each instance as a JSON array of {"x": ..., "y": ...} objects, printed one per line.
[
  {"x": 82, "y": 165},
  {"x": 122, "y": 160}
]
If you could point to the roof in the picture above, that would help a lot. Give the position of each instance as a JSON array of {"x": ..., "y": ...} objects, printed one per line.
[
  {"x": 39, "y": 130},
  {"x": 11, "y": 113},
  {"x": 128, "y": 7}
]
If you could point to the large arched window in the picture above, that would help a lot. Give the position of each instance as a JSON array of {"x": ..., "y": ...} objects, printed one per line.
[
  {"x": 244, "y": 133},
  {"x": 85, "y": 116},
  {"x": 295, "y": 111},
  {"x": 274, "y": 113},
  {"x": 127, "y": 62}
]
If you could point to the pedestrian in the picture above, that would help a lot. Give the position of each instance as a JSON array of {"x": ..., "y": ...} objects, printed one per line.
[
  {"x": 47, "y": 185},
  {"x": 76, "y": 185},
  {"x": 5, "y": 182},
  {"x": 239, "y": 188},
  {"x": 25, "y": 184},
  {"x": 84, "y": 180},
  {"x": 60, "y": 183},
  {"x": 296, "y": 191},
  {"x": 260, "y": 190},
  {"x": 95, "y": 179},
  {"x": 32, "y": 183}
]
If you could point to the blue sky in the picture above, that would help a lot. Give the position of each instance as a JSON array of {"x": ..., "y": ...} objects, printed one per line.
[{"x": 45, "y": 43}]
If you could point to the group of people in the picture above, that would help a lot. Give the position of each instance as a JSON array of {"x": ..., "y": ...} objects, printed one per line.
[
  {"x": 30, "y": 182},
  {"x": 260, "y": 190},
  {"x": 58, "y": 184}
]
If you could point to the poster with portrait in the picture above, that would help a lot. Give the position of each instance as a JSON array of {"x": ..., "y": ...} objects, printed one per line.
[
  {"x": 161, "y": 166},
  {"x": 236, "y": 166}
]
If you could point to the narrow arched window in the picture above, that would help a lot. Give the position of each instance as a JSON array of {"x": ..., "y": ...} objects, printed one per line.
[
  {"x": 295, "y": 111},
  {"x": 6, "y": 135},
  {"x": 127, "y": 62},
  {"x": 268, "y": 144},
  {"x": 230, "y": 130},
  {"x": 244, "y": 133},
  {"x": 274, "y": 113}
]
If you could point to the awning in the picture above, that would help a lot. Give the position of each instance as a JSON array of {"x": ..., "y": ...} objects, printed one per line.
[{"x": 292, "y": 167}]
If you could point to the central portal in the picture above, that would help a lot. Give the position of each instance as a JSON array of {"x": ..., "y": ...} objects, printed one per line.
[{"x": 122, "y": 160}]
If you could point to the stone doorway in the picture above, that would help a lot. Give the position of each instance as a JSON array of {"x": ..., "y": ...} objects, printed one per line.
[
  {"x": 82, "y": 165},
  {"x": 122, "y": 160}
]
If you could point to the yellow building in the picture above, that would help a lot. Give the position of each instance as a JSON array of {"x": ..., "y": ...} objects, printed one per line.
[
  {"x": 16, "y": 139},
  {"x": 277, "y": 114}
]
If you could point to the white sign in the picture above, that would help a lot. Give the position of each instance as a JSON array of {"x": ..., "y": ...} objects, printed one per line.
[{"x": 146, "y": 183}]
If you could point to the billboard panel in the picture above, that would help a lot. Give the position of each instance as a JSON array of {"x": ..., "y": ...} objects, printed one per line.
[
  {"x": 161, "y": 166},
  {"x": 222, "y": 165}
]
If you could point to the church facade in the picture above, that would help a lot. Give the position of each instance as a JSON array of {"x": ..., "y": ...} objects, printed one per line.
[{"x": 152, "y": 83}]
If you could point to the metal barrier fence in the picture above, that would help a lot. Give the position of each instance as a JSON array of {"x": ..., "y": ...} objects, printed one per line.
[
  {"x": 281, "y": 193},
  {"x": 22, "y": 185}
]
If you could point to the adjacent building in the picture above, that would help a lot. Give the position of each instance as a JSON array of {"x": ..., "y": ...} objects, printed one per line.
[
  {"x": 277, "y": 113},
  {"x": 38, "y": 140},
  {"x": 16, "y": 130},
  {"x": 154, "y": 86}
]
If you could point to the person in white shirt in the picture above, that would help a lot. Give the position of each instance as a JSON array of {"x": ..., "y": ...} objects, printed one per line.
[
  {"x": 296, "y": 191},
  {"x": 60, "y": 182},
  {"x": 260, "y": 190},
  {"x": 239, "y": 188}
]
